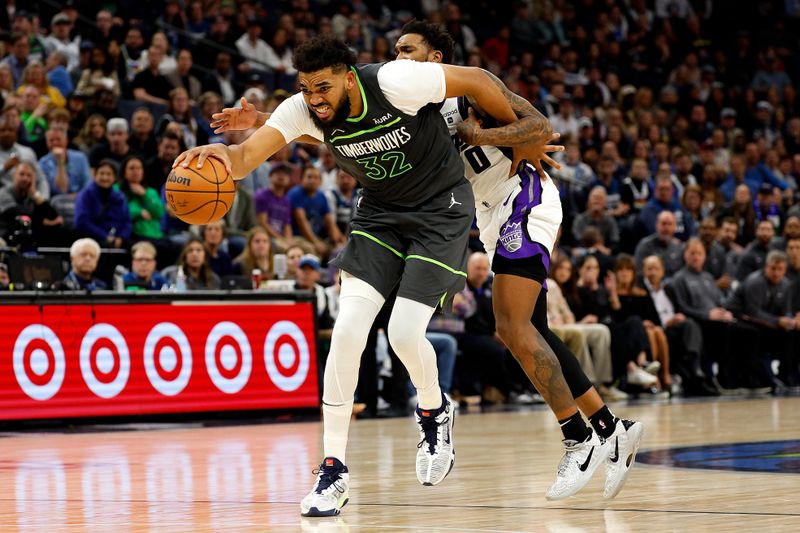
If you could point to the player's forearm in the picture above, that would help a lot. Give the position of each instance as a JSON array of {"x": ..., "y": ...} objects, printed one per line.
[
  {"x": 532, "y": 126},
  {"x": 490, "y": 98}
]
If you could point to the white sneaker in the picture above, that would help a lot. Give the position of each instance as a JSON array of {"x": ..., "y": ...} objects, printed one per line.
[
  {"x": 611, "y": 393},
  {"x": 653, "y": 367},
  {"x": 580, "y": 461},
  {"x": 625, "y": 441},
  {"x": 330, "y": 492},
  {"x": 435, "y": 453},
  {"x": 638, "y": 376}
]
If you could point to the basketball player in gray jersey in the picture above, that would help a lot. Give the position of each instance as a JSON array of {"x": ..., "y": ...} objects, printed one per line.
[
  {"x": 410, "y": 230},
  {"x": 518, "y": 217}
]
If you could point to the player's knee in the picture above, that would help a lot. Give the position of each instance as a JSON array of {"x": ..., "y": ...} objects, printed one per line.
[{"x": 402, "y": 338}]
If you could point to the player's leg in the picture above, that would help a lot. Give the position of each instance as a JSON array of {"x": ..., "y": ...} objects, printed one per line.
[
  {"x": 433, "y": 273},
  {"x": 359, "y": 304},
  {"x": 624, "y": 435}
]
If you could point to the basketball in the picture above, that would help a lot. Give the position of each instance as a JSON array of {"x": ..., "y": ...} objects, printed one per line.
[{"x": 200, "y": 195}]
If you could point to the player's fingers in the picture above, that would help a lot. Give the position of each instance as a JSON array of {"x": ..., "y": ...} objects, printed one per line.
[
  {"x": 553, "y": 148},
  {"x": 555, "y": 136},
  {"x": 551, "y": 162},
  {"x": 182, "y": 159}
]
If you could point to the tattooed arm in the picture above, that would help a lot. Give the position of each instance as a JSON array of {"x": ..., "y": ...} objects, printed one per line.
[{"x": 531, "y": 128}]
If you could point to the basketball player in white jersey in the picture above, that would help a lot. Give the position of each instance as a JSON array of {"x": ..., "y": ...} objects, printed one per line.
[{"x": 518, "y": 214}]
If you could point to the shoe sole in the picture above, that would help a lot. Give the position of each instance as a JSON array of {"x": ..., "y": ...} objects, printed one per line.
[
  {"x": 589, "y": 474},
  {"x": 637, "y": 439},
  {"x": 452, "y": 453},
  {"x": 314, "y": 512}
]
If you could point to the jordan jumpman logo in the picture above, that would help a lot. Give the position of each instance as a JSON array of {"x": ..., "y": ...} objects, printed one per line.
[{"x": 453, "y": 201}]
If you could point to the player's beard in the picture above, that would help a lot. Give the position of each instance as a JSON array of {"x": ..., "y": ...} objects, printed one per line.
[{"x": 340, "y": 114}]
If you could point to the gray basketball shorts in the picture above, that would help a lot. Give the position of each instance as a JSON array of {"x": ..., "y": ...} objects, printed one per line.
[{"x": 421, "y": 250}]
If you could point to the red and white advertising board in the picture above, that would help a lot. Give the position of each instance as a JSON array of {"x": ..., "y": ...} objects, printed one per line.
[{"x": 108, "y": 359}]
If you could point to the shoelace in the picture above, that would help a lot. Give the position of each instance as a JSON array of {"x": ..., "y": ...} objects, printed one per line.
[
  {"x": 430, "y": 427},
  {"x": 328, "y": 476}
]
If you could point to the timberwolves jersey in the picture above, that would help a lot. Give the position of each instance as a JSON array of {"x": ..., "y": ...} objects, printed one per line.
[
  {"x": 398, "y": 159},
  {"x": 486, "y": 167}
]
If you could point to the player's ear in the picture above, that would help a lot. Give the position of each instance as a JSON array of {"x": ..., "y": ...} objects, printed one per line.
[
  {"x": 436, "y": 56},
  {"x": 349, "y": 80}
]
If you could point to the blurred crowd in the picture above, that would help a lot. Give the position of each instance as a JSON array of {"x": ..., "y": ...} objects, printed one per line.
[{"x": 679, "y": 181}]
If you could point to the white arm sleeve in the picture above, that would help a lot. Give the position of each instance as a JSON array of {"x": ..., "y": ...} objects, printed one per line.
[
  {"x": 291, "y": 118},
  {"x": 411, "y": 85}
]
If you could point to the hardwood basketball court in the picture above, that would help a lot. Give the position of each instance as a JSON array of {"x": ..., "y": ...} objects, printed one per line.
[{"x": 252, "y": 477}]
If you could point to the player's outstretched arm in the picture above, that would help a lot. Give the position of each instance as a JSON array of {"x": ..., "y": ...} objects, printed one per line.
[
  {"x": 239, "y": 159},
  {"x": 531, "y": 128}
]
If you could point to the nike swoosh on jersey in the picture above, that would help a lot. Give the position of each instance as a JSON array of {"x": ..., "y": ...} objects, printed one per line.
[{"x": 588, "y": 460}]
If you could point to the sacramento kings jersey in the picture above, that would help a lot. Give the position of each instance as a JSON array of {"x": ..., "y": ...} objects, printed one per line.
[
  {"x": 398, "y": 159},
  {"x": 486, "y": 167}
]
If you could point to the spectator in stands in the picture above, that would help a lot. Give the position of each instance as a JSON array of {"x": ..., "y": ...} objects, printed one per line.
[
  {"x": 597, "y": 337},
  {"x": 791, "y": 230},
  {"x": 634, "y": 301},
  {"x": 21, "y": 197},
  {"x": 208, "y": 103},
  {"x": 342, "y": 200},
  {"x": 307, "y": 278},
  {"x": 221, "y": 79},
  {"x": 102, "y": 212},
  {"x": 193, "y": 263},
  {"x": 716, "y": 255},
  {"x": 59, "y": 40},
  {"x": 143, "y": 269},
  {"x": 182, "y": 76},
  {"x": 157, "y": 169},
  {"x": 683, "y": 333},
  {"x": 294, "y": 253},
  {"x": 150, "y": 85},
  {"x": 179, "y": 111},
  {"x": 692, "y": 202},
  {"x": 100, "y": 74},
  {"x": 92, "y": 133},
  {"x": 767, "y": 208},
  {"x": 597, "y": 215},
  {"x": 254, "y": 49},
  {"x": 67, "y": 170},
  {"x": 13, "y": 153},
  {"x": 34, "y": 76},
  {"x": 756, "y": 171},
  {"x": 33, "y": 112},
  {"x": 218, "y": 259},
  {"x": 18, "y": 57},
  {"x": 664, "y": 200},
  {"x": 257, "y": 254},
  {"x": 279, "y": 59},
  {"x": 6, "y": 81},
  {"x": 311, "y": 214},
  {"x": 635, "y": 191},
  {"x": 629, "y": 344},
  {"x": 764, "y": 300},
  {"x": 663, "y": 244},
  {"x": 734, "y": 344},
  {"x": 326, "y": 164},
  {"x": 273, "y": 207},
  {"x": 142, "y": 139},
  {"x": 607, "y": 179},
  {"x": 744, "y": 213},
  {"x": 144, "y": 203},
  {"x": 116, "y": 147},
  {"x": 754, "y": 255},
  {"x": 84, "y": 255},
  {"x": 57, "y": 74}
]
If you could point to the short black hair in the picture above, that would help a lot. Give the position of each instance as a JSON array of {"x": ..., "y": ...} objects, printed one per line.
[
  {"x": 433, "y": 34},
  {"x": 322, "y": 52}
]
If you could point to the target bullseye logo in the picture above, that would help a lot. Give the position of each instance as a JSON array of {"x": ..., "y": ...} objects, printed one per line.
[
  {"x": 286, "y": 355},
  {"x": 167, "y": 358},
  {"x": 105, "y": 361},
  {"x": 229, "y": 359},
  {"x": 39, "y": 363}
]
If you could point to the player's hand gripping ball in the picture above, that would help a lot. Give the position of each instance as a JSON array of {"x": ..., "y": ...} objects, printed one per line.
[{"x": 200, "y": 195}]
